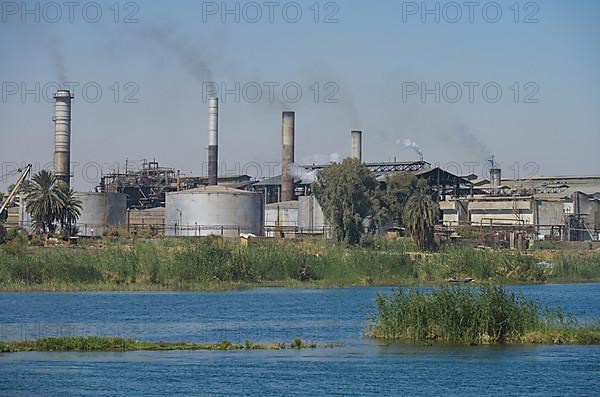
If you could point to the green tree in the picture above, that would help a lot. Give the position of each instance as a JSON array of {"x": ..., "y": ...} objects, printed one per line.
[
  {"x": 399, "y": 187},
  {"x": 389, "y": 200},
  {"x": 380, "y": 212},
  {"x": 420, "y": 215},
  {"x": 345, "y": 192},
  {"x": 70, "y": 213},
  {"x": 50, "y": 201}
]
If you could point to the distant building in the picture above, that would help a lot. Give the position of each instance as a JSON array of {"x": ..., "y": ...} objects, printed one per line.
[{"x": 546, "y": 208}]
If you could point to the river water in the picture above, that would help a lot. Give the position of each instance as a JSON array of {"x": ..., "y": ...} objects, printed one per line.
[{"x": 359, "y": 367}]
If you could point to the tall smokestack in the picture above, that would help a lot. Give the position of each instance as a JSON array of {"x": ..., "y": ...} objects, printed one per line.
[
  {"x": 62, "y": 135},
  {"x": 213, "y": 139},
  {"x": 357, "y": 145},
  {"x": 287, "y": 155}
]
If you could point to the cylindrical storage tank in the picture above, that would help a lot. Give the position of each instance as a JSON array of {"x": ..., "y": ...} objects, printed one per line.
[
  {"x": 214, "y": 210},
  {"x": 101, "y": 212}
]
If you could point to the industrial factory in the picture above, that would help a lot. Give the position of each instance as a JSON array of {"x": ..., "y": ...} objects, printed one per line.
[{"x": 162, "y": 200}]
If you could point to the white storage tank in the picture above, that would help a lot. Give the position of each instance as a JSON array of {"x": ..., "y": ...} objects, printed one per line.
[
  {"x": 101, "y": 212},
  {"x": 214, "y": 210}
]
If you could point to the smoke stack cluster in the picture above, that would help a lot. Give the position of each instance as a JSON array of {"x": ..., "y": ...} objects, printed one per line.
[
  {"x": 62, "y": 135},
  {"x": 213, "y": 139},
  {"x": 287, "y": 155},
  {"x": 357, "y": 145}
]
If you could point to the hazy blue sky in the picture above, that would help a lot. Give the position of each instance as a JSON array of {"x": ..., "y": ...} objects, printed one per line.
[{"x": 374, "y": 53}]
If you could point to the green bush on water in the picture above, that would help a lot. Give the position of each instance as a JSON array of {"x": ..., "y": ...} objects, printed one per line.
[
  {"x": 469, "y": 315},
  {"x": 212, "y": 262}
]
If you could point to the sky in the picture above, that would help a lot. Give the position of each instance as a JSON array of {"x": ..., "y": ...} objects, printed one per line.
[{"x": 516, "y": 80}]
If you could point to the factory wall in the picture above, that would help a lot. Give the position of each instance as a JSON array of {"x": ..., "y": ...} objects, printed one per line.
[
  {"x": 589, "y": 208},
  {"x": 153, "y": 218},
  {"x": 454, "y": 212},
  {"x": 280, "y": 215},
  {"x": 310, "y": 214},
  {"x": 549, "y": 213},
  {"x": 502, "y": 211}
]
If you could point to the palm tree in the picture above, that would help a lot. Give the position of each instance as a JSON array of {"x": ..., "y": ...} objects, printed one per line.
[
  {"x": 70, "y": 212},
  {"x": 45, "y": 201},
  {"x": 420, "y": 214}
]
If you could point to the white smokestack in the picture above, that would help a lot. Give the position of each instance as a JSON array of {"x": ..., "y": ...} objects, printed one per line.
[{"x": 213, "y": 140}]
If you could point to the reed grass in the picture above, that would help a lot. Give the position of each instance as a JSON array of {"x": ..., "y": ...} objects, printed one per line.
[
  {"x": 217, "y": 264},
  {"x": 487, "y": 314}
]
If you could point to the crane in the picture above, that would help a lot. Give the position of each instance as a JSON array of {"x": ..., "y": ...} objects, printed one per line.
[{"x": 15, "y": 190}]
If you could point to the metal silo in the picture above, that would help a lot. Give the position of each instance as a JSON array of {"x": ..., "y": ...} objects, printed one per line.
[
  {"x": 214, "y": 210},
  {"x": 101, "y": 212}
]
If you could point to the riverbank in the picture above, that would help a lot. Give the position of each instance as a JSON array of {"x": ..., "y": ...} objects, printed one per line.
[{"x": 213, "y": 264}]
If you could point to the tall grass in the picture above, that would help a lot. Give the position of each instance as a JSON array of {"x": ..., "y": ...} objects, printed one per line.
[
  {"x": 214, "y": 263},
  {"x": 467, "y": 315},
  {"x": 487, "y": 265},
  {"x": 575, "y": 266}
]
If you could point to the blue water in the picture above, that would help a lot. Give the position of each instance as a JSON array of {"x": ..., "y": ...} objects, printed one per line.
[{"x": 360, "y": 367}]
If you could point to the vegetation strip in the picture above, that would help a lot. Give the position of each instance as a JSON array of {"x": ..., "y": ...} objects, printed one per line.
[
  {"x": 489, "y": 314},
  {"x": 103, "y": 344},
  {"x": 216, "y": 264}
]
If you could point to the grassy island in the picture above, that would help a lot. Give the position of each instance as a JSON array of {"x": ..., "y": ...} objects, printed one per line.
[
  {"x": 105, "y": 344},
  {"x": 488, "y": 314}
]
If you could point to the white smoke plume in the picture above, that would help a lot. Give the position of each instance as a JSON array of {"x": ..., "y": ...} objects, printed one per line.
[
  {"x": 319, "y": 158},
  {"x": 299, "y": 172},
  {"x": 410, "y": 144}
]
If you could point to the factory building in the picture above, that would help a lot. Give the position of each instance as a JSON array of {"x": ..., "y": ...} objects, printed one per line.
[
  {"x": 565, "y": 208},
  {"x": 163, "y": 200},
  {"x": 147, "y": 186}
]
